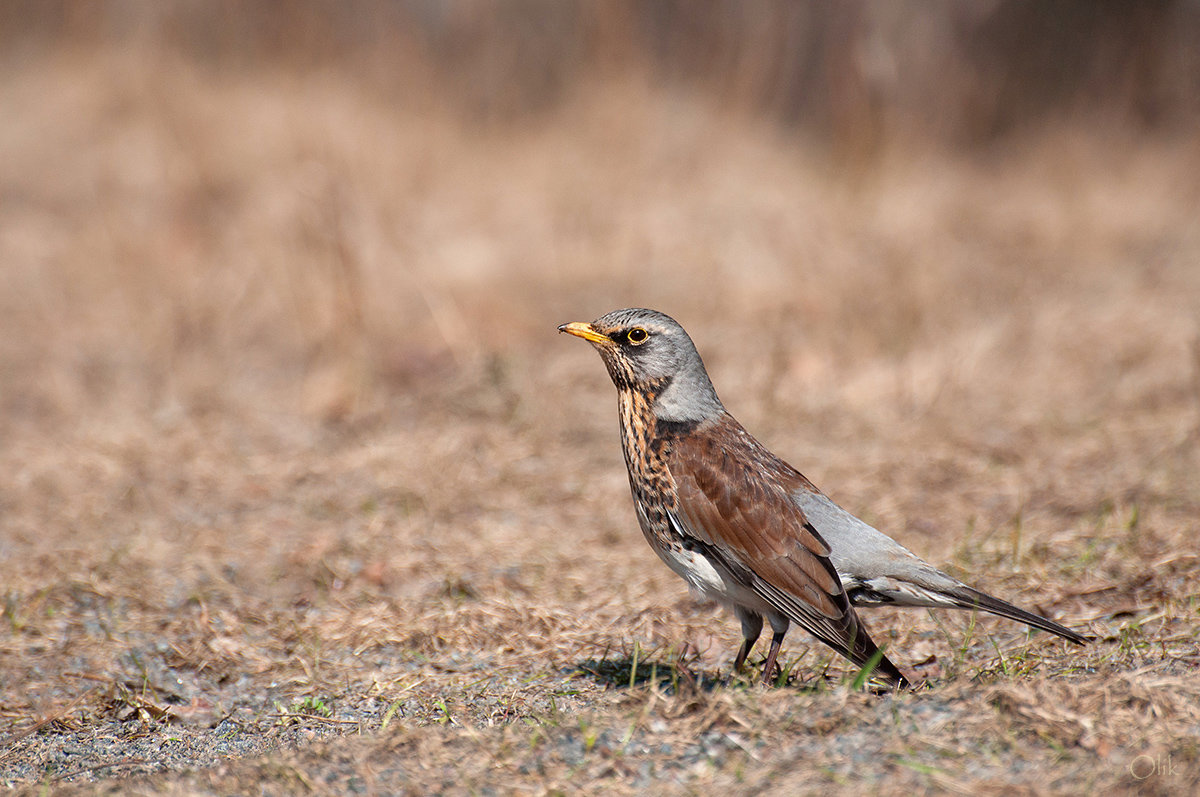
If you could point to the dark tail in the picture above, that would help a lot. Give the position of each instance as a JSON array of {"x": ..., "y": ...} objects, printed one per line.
[
  {"x": 967, "y": 598},
  {"x": 892, "y": 673},
  {"x": 865, "y": 650}
]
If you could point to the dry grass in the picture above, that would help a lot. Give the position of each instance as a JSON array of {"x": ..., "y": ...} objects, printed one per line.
[{"x": 301, "y": 486}]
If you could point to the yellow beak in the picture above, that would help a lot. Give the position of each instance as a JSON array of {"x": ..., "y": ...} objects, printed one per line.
[{"x": 584, "y": 330}]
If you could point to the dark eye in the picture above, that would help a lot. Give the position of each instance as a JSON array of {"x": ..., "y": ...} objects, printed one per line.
[{"x": 637, "y": 336}]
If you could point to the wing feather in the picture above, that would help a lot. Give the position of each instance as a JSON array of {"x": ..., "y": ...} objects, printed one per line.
[{"x": 734, "y": 503}]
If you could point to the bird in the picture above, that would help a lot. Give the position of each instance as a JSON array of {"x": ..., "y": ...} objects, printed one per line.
[{"x": 743, "y": 527}]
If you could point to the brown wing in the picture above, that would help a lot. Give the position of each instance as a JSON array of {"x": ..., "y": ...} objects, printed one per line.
[{"x": 733, "y": 499}]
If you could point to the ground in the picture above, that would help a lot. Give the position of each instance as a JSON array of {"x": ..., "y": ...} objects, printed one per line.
[{"x": 303, "y": 493}]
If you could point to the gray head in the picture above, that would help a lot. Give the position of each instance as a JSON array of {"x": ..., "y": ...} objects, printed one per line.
[{"x": 648, "y": 352}]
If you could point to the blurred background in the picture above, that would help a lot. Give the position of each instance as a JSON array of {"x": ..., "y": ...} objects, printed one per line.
[
  {"x": 202, "y": 196},
  {"x": 284, "y": 229}
]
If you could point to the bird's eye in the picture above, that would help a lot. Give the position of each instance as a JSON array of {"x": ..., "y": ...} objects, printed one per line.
[{"x": 637, "y": 336}]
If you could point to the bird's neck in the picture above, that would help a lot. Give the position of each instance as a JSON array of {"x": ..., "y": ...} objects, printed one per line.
[
  {"x": 637, "y": 429},
  {"x": 653, "y": 416},
  {"x": 687, "y": 398}
]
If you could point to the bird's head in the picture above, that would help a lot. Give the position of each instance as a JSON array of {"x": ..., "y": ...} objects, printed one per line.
[{"x": 650, "y": 353}]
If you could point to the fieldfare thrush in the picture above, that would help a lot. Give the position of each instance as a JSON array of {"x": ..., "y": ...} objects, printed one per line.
[{"x": 743, "y": 527}]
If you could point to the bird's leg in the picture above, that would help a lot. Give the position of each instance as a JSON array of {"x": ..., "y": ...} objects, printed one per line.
[
  {"x": 683, "y": 671},
  {"x": 770, "y": 668},
  {"x": 742, "y": 653},
  {"x": 752, "y": 623}
]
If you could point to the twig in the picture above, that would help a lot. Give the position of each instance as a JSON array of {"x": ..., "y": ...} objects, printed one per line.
[{"x": 318, "y": 717}]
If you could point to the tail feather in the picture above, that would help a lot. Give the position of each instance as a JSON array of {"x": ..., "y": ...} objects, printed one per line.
[
  {"x": 865, "y": 649},
  {"x": 967, "y": 598},
  {"x": 891, "y": 673}
]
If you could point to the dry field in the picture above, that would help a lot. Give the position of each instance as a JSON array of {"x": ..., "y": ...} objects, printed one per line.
[{"x": 300, "y": 492}]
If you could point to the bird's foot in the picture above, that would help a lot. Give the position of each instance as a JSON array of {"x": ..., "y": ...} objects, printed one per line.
[
  {"x": 771, "y": 674},
  {"x": 687, "y": 679}
]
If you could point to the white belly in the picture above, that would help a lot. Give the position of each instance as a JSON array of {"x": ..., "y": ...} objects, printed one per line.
[
  {"x": 704, "y": 580},
  {"x": 708, "y": 583}
]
